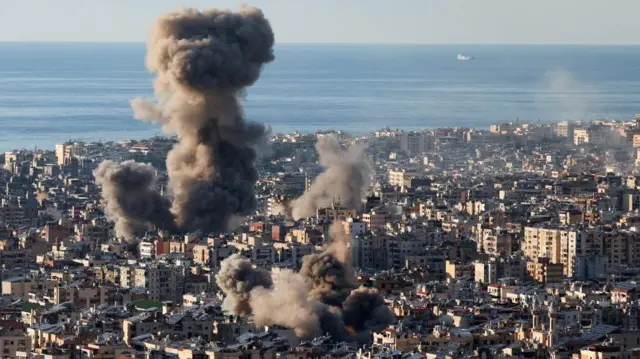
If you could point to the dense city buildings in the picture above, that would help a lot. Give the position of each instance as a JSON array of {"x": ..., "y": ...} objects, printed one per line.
[{"x": 516, "y": 242}]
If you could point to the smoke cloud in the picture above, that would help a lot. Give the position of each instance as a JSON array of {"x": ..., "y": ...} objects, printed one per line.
[
  {"x": 365, "y": 308},
  {"x": 290, "y": 292},
  {"x": 203, "y": 62},
  {"x": 130, "y": 198},
  {"x": 328, "y": 274},
  {"x": 146, "y": 111},
  {"x": 324, "y": 300},
  {"x": 237, "y": 277},
  {"x": 346, "y": 177},
  {"x": 567, "y": 97}
]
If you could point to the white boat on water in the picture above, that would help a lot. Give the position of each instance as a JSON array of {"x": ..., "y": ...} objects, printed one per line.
[{"x": 464, "y": 57}]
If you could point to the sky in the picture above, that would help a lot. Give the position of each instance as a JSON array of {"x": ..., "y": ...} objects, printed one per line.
[{"x": 344, "y": 21}]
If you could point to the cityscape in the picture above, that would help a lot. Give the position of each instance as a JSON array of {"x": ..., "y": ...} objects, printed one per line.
[
  {"x": 225, "y": 238},
  {"x": 518, "y": 241}
]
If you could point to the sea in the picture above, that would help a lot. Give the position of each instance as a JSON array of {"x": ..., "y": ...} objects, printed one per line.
[{"x": 53, "y": 92}]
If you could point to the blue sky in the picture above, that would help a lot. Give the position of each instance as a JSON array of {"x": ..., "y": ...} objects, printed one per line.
[{"x": 344, "y": 21}]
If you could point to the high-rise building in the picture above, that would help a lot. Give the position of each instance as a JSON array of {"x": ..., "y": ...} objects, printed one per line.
[
  {"x": 161, "y": 281},
  {"x": 565, "y": 129},
  {"x": 64, "y": 153},
  {"x": 567, "y": 246},
  {"x": 414, "y": 143}
]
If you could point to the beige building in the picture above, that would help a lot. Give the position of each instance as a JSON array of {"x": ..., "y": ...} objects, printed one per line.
[
  {"x": 565, "y": 129},
  {"x": 81, "y": 296},
  {"x": 635, "y": 140},
  {"x": 544, "y": 271},
  {"x": 580, "y": 136},
  {"x": 401, "y": 177},
  {"x": 49, "y": 335},
  {"x": 10, "y": 158},
  {"x": 495, "y": 241},
  {"x": 201, "y": 253},
  {"x": 127, "y": 276},
  {"x": 570, "y": 217},
  {"x": 377, "y": 218},
  {"x": 160, "y": 281},
  {"x": 145, "y": 323},
  {"x": 64, "y": 153},
  {"x": 109, "y": 350},
  {"x": 565, "y": 245},
  {"x": 457, "y": 270},
  {"x": 12, "y": 341},
  {"x": 18, "y": 286},
  {"x": 334, "y": 213}
]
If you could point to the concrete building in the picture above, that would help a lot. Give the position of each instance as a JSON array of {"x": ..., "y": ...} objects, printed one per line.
[
  {"x": 402, "y": 177},
  {"x": 565, "y": 129},
  {"x": 414, "y": 143},
  {"x": 160, "y": 280},
  {"x": 495, "y": 241},
  {"x": 354, "y": 227},
  {"x": 542, "y": 270},
  {"x": 580, "y": 136},
  {"x": 334, "y": 213},
  {"x": 17, "y": 286},
  {"x": 64, "y": 153},
  {"x": 486, "y": 272},
  {"x": 13, "y": 340},
  {"x": 458, "y": 270},
  {"x": 377, "y": 218}
]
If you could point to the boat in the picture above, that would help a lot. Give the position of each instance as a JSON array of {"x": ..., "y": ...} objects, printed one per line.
[{"x": 464, "y": 57}]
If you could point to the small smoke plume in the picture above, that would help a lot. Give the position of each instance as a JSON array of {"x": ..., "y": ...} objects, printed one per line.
[
  {"x": 290, "y": 292},
  {"x": 130, "y": 197},
  {"x": 146, "y": 111},
  {"x": 282, "y": 208},
  {"x": 203, "y": 62},
  {"x": 320, "y": 299},
  {"x": 566, "y": 97},
  {"x": 328, "y": 273},
  {"x": 365, "y": 309},
  {"x": 237, "y": 277},
  {"x": 346, "y": 177},
  {"x": 304, "y": 314},
  {"x": 340, "y": 242}
]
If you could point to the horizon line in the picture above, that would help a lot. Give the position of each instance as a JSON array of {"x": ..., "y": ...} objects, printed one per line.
[{"x": 319, "y": 43}]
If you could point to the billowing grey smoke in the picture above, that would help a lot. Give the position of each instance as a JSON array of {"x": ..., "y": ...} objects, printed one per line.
[
  {"x": 327, "y": 273},
  {"x": 287, "y": 304},
  {"x": 130, "y": 197},
  {"x": 203, "y": 62},
  {"x": 237, "y": 277},
  {"x": 309, "y": 307},
  {"x": 346, "y": 177},
  {"x": 365, "y": 309}
]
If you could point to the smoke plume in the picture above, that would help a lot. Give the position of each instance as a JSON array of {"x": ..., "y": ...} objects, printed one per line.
[
  {"x": 130, "y": 197},
  {"x": 290, "y": 292},
  {"x": 321, "y": 299},
  {"x": 237, "y": 277},
  {"x": 567, "y": 97},
  {"x": 345, "y": 178},
  {"x": 146, "y": 111},
  {"x": 203, "y": 62},
  {"x": 365, "y": 308},
  {"x": 328, "y": 274}
]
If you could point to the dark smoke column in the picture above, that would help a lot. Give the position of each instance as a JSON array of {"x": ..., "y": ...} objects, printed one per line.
[
  {"x": 130, "y": 198},
  {"x": 203, "y": 61}
]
